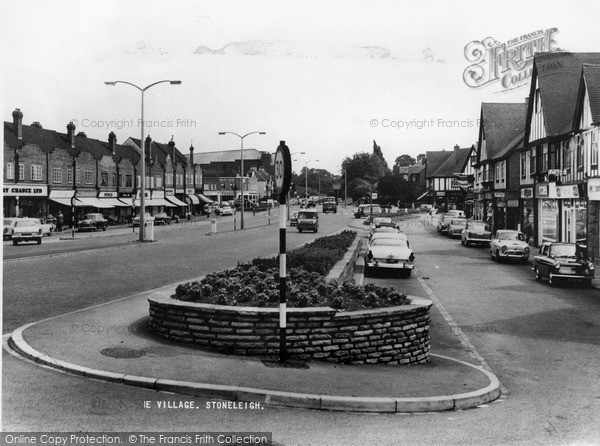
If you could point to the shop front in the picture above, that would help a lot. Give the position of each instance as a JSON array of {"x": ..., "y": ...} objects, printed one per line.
[
  {"x": 548, "y": 213},
  {"x": 527, "y": 219},
  {"x": 593, "y": 216},
  {"x": 25, "y": 200},
  {"x": 573, "y": 214}
]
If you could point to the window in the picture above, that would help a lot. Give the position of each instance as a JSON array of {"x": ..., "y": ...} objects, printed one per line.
[
  {"x": 523, "y": 165},
  {"x": 114, "y": 179},
  {"x": 69, "y": 176},
  {"x": 21, "y": 171},
  {"x": 580, "y": 154},
  {"x": 158, "y": 181},
  {"x": 532, "y": 161},
  {"x": 179, "y": 179},
  {"x": 10, "y": 171},
  {"x": 77, "y": 177},
  {"x": 88, "y": 177},
  {"x": 128, "y": 180},
  {"x": 552, "y": 160},
  {"x": 169, "y": 179},
  {"x": 498, "y": 172},
  {"x": 36, "y": 172},
  {"x": 502, "y": 172},
  {"x": 56, "y": 175},
  {"x": 103, "y": 178},
  {"x": 567, "y": 162},
  {"x": 544, "y": 158},
  {"x": 594, "y": 149}
]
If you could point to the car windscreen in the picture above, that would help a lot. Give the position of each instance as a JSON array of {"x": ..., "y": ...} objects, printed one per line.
[
  {"x": 22, "y": 223},
  {"x": 390, "y": 242},
  {"x": 459, "y": 222},
  {"x": 563, "y": 251},
  {"x": 511, "y": 236},
  {"x": 307, "y": 215}
]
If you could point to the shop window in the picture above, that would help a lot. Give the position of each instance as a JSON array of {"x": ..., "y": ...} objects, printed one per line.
[
  {"x": 56, "y": 175},
  {"x": 10, "y": 171}
]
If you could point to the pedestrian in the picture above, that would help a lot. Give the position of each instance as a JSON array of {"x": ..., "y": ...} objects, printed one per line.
[
  {"x": 528, "y": 230},
  {"x": 60, "y": 221}
]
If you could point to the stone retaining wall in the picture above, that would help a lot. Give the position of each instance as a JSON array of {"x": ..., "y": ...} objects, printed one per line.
[{"x": 395, "y": 335}]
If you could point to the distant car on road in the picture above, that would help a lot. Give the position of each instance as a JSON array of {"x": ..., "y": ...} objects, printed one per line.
[
  {"x": 563, "y": 261},
  {"x": 9, "y": 224},
  {"x": 456, "y": 226},
  {"x": 226, "y": 210},
  {"x": 509, "y": 244},
  {"x": 330, "y": 205},
  {"x": 47, "y": 227},
  {"x": 27, "y": 230},
  {"x": 443, "y": 223},
  {"x": 294, "y": 219},
  {"x": 92, "y": 222},
  {"x": 476, "y": 233},
  {"x": 365, "y": 210},
  {"x": 147, "y": 218},
  {"x": 162, "y": 218},
  {"x": 308, "y": 220}
]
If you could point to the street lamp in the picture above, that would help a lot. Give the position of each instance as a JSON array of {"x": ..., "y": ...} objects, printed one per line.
[
  {"x": 306, "y": 178},
  {"x": 143, "y": 154},
  {"x": 242, "y": 167}
]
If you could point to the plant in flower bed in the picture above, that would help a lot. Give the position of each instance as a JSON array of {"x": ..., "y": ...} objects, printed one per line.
[
  {"x": 248, "y": 285},
  {"x": 256, "y": 283}
]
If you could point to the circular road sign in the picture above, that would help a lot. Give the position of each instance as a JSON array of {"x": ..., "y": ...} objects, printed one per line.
[{"x": 283, "y": 170}]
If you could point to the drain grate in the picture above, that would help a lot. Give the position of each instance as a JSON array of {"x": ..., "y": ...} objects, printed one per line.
[{"x": 122, "y": 352}]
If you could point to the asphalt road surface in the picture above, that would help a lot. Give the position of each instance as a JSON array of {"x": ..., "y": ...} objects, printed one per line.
[{"x": 541, "y": 342}]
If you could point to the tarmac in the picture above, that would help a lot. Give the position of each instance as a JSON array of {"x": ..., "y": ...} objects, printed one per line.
[{"x": 113, "y": 342}]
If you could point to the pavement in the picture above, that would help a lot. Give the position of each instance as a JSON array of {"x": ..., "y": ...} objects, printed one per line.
[{"x": 113, "y": 342}]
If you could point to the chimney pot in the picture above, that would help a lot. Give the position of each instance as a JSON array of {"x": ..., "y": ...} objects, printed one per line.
[
  {"x": 112, "y": 141},
  {"x": 456, "y": 147},
  {"x": 71, "y": 133},
  {"x": 18, "y": 123}
]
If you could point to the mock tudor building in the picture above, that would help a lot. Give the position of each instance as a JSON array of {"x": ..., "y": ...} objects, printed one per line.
[{"x": 443, "y": 171}]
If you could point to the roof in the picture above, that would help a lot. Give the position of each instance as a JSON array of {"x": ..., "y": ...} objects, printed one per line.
[
  {"x": 591, "y": 77},
  {"x": 225, "y": 156},
  {"x": 558, "y": 75},
  {"x": 501, "y": 123},
  {"x": 261, "y": 174},
  {"x": 434, "y": 160},
  {"x": 45, "y": 139},
  {"x": 160, "y": 152},
  {"x": 416, "y": 168},
  {"x": 454, "y": 163}
]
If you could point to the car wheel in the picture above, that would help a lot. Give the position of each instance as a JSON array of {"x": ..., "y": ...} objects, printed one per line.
[
  {"x": 407, "y": 273},
  {"x": 39, "y": 241},
  {"x": 15, "y": 242},
  {"x": 538, "y": 276},
  {"x": 299, "y": 230},
  {"x": 104, "y": 228}
]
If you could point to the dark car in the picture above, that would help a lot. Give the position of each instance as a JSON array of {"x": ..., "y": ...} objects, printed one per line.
[
  {"x": 563, "y": 261},
  {"x": 330, "y": 205},
  {"x": 162, "y": 219},
  {"x": 294, "y": 219},
  {"x": 92, "y": 222},
  {"x": 308, "y": 220}
]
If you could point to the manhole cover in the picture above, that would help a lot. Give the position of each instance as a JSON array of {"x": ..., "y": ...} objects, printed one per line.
[{"x": 122, "y": 352}]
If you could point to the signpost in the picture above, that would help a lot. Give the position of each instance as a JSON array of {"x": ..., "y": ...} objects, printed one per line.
[{"x": 283, "y": 179}]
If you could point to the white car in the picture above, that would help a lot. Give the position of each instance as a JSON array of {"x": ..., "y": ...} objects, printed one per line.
[
  {"x": 9, "y": 224},
  {"x": 226, "y": 210},
  {"x": 509, "y": 244},
  {"x": 47, "y": 228},
  {"x": 27, "y": 230},
  {"x": 393, "y": 253}
]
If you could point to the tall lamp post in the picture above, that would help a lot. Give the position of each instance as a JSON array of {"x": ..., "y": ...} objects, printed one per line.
[
  {"x": 242, "y": 167},
  {"x": 306, "y": 177},
  {"x": 143, "y": 150}
]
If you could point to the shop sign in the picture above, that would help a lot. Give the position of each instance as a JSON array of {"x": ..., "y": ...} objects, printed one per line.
[
  {"x": 546, "y": 190},
  {"x": 512, "y": 203},
  {"x": 487, "y": 196},
  {"x": 180, "y": 190},
  {"x": 571, "y": 191},
  {"x": 169, "y": 191},
  {"x": 499, "y": 194},
  {"x": 593, "y": 189},
  {"x": 107, "y": 195},
  {"x": 23, "y": 190},
  {"x": 189, "y": 191},
  {"x": 440, "y": 194},
  {"x": 527, "y": 192}
]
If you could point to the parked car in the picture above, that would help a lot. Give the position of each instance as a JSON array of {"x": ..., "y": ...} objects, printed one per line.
[
  {"x": 384, "y": 235},
  {"x": 384, "y": 229},
  {"x": 456, "y": 226},
  {"x": 563, "y": 261},
  {"x": 509, "y": 244},
  {"x": 456, "y": 213},
  {"x": 161, "y": 219},
  {"x": 443, "y": 223},
  {"x": 476, "y": 232},
  {"x": 27, "y": 230},
  {"x": 294, "y": 219},
  {"x": 226, "y": 210},
  {"x": 147, "y": 218},
  {"x": 330, "y": 205},
  {"x": 392, "y": 253},
  {"x": 47, "y": 227},
  {"x": 308, "y": 220},
  {"x": 367, "y": 209},
  {"x": 92, "y": 222},
  {"x": 9, "y": 224}
]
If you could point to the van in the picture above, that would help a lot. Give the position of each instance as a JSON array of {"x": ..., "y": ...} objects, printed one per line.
[{"x": 308, "y": 220}]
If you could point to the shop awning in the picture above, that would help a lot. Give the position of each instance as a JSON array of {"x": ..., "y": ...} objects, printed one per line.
[
  {"x": 91, "y": 202},
  {"x": 114, "y": 202},
  {"x": 158, "y": 202},
  {"x": 194, "y": 199},
  {"x": 205, "y": 199},
  {"x": 62, "y": 196},
  {"x": 176, "y": 201},
  {"x": 422, "y": 195}
]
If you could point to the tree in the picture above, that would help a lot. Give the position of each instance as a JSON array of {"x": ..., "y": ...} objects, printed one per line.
[
  {"x": 394, "y": 189},
  {"x": 403, "y": 161}
]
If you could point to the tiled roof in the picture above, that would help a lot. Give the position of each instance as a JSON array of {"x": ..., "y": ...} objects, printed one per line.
[
  {"x": 159, "y": 152},
  {"x": 416, "y": 168},
  {"x": 434, "y": 160},
  {"x": 558, "y": 75},
  {"x": 455, "y": 163},
  {"x": 591, "y": 73},
  {"x": 45, "y": 139},
  {"x": 261, "y": 174},
  {"x": 501, "y": 124}
]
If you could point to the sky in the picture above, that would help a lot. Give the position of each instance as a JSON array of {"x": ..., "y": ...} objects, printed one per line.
[{"x": 328, "y": 78}]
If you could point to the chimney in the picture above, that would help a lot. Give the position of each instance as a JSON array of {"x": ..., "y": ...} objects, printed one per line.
[
  {"x": 421, "y": 158},
  {"x": 456, "y": 148},
  {"x": 172, "y": 150},
  {"x": 191, "y": 154},
  {"x": 455, "y": 160},
  {"x": 18, "y": 123},
  {"x": 37, "y": 125},
  {"x": 71, "y": 133},
  {"x": 112, "y": 142},
  {"x": 82, "y": 134}
]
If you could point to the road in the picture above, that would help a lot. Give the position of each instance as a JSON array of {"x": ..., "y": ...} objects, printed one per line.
[{"x": 541, "y": 342}]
